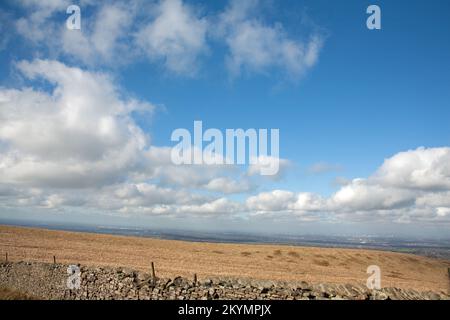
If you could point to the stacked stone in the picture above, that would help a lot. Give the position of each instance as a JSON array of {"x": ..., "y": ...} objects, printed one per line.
[{"x": 49, "y": 281}]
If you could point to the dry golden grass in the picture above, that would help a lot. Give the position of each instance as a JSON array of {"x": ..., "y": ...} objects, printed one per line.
[
  {"x": 269, "y": 262},
  {"x": 8, "y": 294}
]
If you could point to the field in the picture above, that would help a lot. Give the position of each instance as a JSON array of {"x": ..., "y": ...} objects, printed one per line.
[
  {"x": 268, "y": 262},
  {"x": 8, "y": 294}
]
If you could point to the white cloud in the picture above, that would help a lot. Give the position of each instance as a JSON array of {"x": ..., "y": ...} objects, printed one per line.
[
  {"x": 176, "y": 36},
  {"x": 80, "y": 134},
  {"x": 362, "y": 195},
  {"x": 277, "y": 200},
  {"x": 99, "y": 41},
  {"x": 422, "y": 169},
  {"x": 228, "y": 186},
  {"x": 443, "y": 211},
  {"x": 102, "y": 38},
  {"x": 255, "y": 46},
  {"x": 273, "y": 167},
  {"x": 154, "y": 200},
  {"x": 170, "y": 33},
  {"x": 159, "y": 166},
  {"x": 286, "y": 201},
  {"x": 409, "y": 187},
  {"x": 145, "y": 194},
  {"x": 308, "y": 202},
  {"x": 36, "y": 26},
  {"x": 218, "y": 206}
]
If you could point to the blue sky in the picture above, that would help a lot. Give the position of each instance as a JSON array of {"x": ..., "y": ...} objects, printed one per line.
[{"x": 368, "y": 96}]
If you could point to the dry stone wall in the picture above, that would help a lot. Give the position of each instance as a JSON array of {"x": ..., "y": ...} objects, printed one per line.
[{"x": 49, "y": 281}]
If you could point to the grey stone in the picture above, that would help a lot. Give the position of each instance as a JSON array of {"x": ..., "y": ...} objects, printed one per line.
[{"x": 49, "y": 281}]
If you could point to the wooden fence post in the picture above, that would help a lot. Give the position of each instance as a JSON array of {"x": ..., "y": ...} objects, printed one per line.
[
  {"x": 54, "y": 259},
  {"x": 7, "y": 257},
  {"x": 153, "y": 273},
  {"x": 448, "y": 271},
  {"x": 195, "y": 279}
]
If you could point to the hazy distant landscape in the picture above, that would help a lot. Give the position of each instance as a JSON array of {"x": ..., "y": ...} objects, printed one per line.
[
  {"x": 237, "y": 260},
  {"x": 433, "y": 248}
]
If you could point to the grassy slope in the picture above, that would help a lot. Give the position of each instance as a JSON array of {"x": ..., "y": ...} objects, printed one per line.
[{"x": 269, "y": 262}]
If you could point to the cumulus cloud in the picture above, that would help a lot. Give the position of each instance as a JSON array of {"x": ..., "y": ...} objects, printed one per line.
[
  {"x": 422, "y": 169},
  {"x": 79, "y": 134},
  {"x": 409, "y": 187},
  {"x": 218, "y": 206},
  {"x": 169, "y": 33},
  {"x": 227, "y": 185},
  {"x": 407, "y": 180},
  {"x": 255, "y": 46},
  {"x": 363, "y": 195},
  {"x": 218, "y": 178},
  {"x": 36, "y": 26},
  {"x": 285, "y": 201},
  {"x": 176, "y": 36},
  {"x": 103, "y": 37},
  {"x": 277, "y": 200},
  {"x": 271, "y": 167}
]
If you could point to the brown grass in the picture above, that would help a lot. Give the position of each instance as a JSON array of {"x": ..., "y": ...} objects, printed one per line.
[
  {"x": 8, "y": 294},
  {"x": 322, "y": 263},
  {"x": 269, "y": 262},
  {"x": 294, "y": 254}
]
